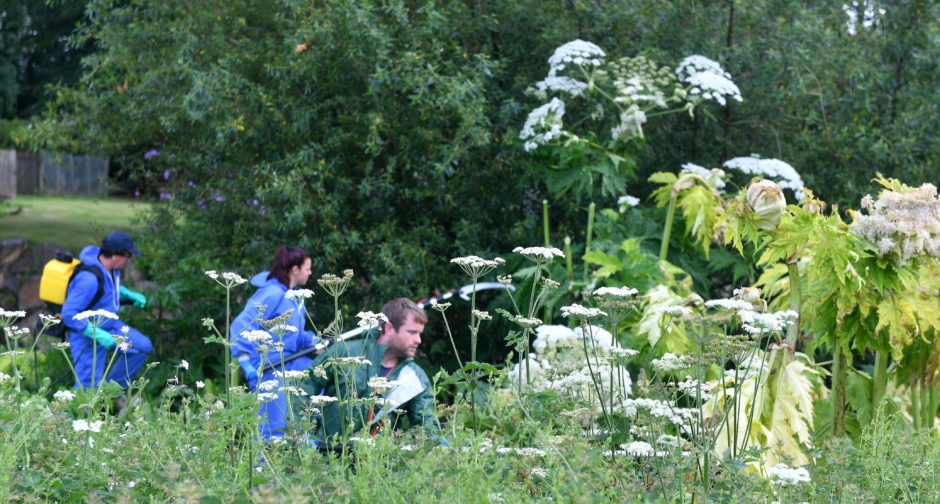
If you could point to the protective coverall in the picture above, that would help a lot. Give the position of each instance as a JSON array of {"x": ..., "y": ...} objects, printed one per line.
[
  {"x": 270, "y": 294},
  {"x": 80, "y": 292}
]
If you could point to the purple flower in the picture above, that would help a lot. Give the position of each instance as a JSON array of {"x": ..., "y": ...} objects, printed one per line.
[
  {"x": 164, "y": 195},
  {"x": 202, "y": 204},
  {"x": 70, "y": 122},
  {"x": 263, "y": 211},
  {"x": 218, "y": 197},
  {"x": 254, "y": 202},
  {"x": 166, "y": 175},
  {"x": 136, "y": 194},
  {"x": 151, "y": 153},
  {"x": 191, "y": 184}
]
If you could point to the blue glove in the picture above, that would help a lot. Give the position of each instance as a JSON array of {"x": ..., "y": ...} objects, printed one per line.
[
  {"x": 251, "y": 373},
  {"x": 100, "y": 335},
  {"x": 138, "y": 299}
]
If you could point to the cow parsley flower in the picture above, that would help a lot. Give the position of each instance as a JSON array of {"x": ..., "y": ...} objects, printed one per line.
[
  {"x": 86, "y": 426},
  {"x": 581, "y": 312},
  {"x": 729, "y": 304},
  {"x": 616, "y": 292},
  {"x": 349, "y": 361},
  {"x": 321, "y": 399},
  {"x": 476, "y": 267},
  {"x": 12, "y": 314},
  {"x": 528, "y": 322},
  {"x": 49, "y": 320},
  {"x": 539, "y": 254},
  {"x": 95, "y": 313},
  {"x": 267, "y": 396},
  {"x": 291, "y": 375},
  {"x": 382, "y": 384},
  {"x": 257, "y": 336},
  {"x": 298, "y": 294},
  {"x": 758, "y": 323},
  {"x": 64, "y": 395},
  {"x": 639, "y": 449},
  {"x": 200, "y": 384},
  {"x": 335, "y": 285},
  {"x": 268, "y": 385},
  {"x": 671, "y": 362},
  {"x": 481, "y": 315},
  {"x": 543, "y": 125},
  {"x": 628, "y": 200},
  {"x": 785, "y": 475}
]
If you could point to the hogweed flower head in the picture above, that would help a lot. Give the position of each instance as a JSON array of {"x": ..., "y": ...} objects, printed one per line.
[
  {"x": 476, "y": 267},
  {"x": 627, "y": 200},
  {"x": 903, "y": 224},
  {"x": 349, "y": 361},
  {"x": 298, "y": 294},
  {"x": 369, "y": 319},
  {"x": 707, "y": 79},
  {"x": 543, "y": 124},
  {"x": 766, "y": 199},
  {"x": 539, "y": 254},
  {"x": 630, "y": 126},
  {"x": 481, "y": 315},
  {"x": 64, "y": 395},
  {"x": 528, "y": 322},
  {"x": 292, "y": 375},
  {"x": 785, "y": 475},
  {"x": 581, "y": 312},
  {"x": 227, "y": 279},
  {"x": 770, "y": 168},
  {"x": 96, "y": 314},
  {"x": 441, "y": 307},
  {"x": 335, "y": 285},
  {"x": 715, "y": 177},
  {"x": 267, "y": 396},
  {"x": 504, "y": 279},
  {"x": 321, "y": 399},
  {"x": 761, "y": 323},
  {"x": 577, "y": 53},
  {"x": 257, "y": 336},
  {"x": 382, "y": 384},
  {"x": 615, "y": 292},
  {"x": 671, "y": 362}
]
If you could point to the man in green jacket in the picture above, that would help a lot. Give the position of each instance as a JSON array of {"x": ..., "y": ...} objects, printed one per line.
[{"x": 346, "y": 381}]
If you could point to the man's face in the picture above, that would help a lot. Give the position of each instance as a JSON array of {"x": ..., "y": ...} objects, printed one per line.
[
  {"x": 404, "y": 341},
  {"x": 121, "y": 260}
]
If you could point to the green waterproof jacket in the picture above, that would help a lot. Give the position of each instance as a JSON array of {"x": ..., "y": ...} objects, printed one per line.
[{"x": 349, "y": 383}]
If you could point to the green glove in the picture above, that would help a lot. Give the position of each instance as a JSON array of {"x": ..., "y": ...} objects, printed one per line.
[
  {"x": 138, "y": 299},
  {"x": 100, "y": 335}
]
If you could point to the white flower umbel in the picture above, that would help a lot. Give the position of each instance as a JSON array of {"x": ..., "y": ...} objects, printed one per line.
[
  {"x": 543, "y": 125},
  {"x": 268, "y": 385},
  {"x": 568, "y": 85},
  {"x": 707, "y": 79},
  {"x": 282, "y": 329},
  {"x": 770, "y": 168},
  {"x": 8, "y": 317},
  {"x": 349, "y": 361},
  {"x": 581, "y": 312},
  {"x": 476, "y": 267},
  {"x": 257, "y": 336},
  {"x": 292, "y": 375},
  {"x": 49, "y": 320},
  {"x": 715, "y": 176},
  {"x": 226, "y": 279},
  {"x": 5, "y": 378},
  {"x": 528, "y": 322},
  {"x": 382, "y": 384},
  {"x": 266, "y": 396},
  {"x": 675, "y": 311},
  {"x": 64, "y": 395},
  {"x": 615, "y": 292},
  {"x": 86, "y": 426},
  {"x": 298, "y": 294},
  {"x": 321, "y": 399},
  {"x": 785, "y": 475},
  {"x": 639, "y": 449},
  {"x": 640, "y": 81},
  {"x": 539, "y": 254},
  {"x": 903, "y": 224},
  {"x": 95, "y": 313},
  {"x": 575, "y": 53},
  {"x": 758, "y": 323},
  {"x": 628, "y": 200},
  {"x": 671, "y": 362}
]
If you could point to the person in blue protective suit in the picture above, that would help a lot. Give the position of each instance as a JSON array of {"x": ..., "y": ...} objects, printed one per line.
[
  {"x": 277, "y": 295},
  {"x": 117, "y": 249}
]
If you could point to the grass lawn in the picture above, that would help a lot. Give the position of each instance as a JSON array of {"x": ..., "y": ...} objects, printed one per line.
[{"x": 71, "y": 222}]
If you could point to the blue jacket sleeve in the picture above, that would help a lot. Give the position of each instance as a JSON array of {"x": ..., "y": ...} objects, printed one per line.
[
  {"x": 81, "y": 291},
  {"x": 247, "y": 320}
]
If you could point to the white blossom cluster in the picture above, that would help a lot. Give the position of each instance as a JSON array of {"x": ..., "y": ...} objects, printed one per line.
[
  {"x": 228, "y": 278},
  {"x": 675, "y": 310},
  {"x": 382, "y": 384},
  {"x": 761, "y": 323},
  {"x": 369, "y": 319},
  {"x": 4, "y": 378},
  {"x": 903, "y": 224},
  {"x": 257, "y": 336},
  {"x": 578, "y": 53},
  {"x": 715, "y": 176},
  {"x": 581, "y": 312},
  {"x": 628, "y": 200},
  {"x": 12, "y": 314},
  {"x": 94, "y": 314},
  {"x": 708, "y": 79},
  {"x": 64, "y": 395},
  {"x": 690, "y": 387},
  {"x": 321, "y": 399},
  {"x": 282, "y": 329},
  {"x": 539, "y": 254},
  {"x": 615, "y": 292},
  {"x": 543, "y": 124},
  {"x": 86, "y": 426},
  {"x": 568, "y": 85},
  {"x": 291, "y": 375},
  {"x": 681, "y": 417},
  {"x": 476, "y": 267},
  {"x": 640, "y": 81},
  {"x": 785, "y": 475},
  {"x": 770, "y": 168},
  {"x": 870, "y": 15},
  {"x": 298, "y": 294},
  {"x": 671, "y": 362},
  {"x": 357, "y": 360}
]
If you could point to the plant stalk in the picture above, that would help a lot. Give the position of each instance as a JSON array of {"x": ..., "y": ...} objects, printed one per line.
[
  {"x": 793, "y": 332},
  {"x": 879, "y": 381},
  {"x": 840, "y": 363},
  {"x": 667, "y": 230}
]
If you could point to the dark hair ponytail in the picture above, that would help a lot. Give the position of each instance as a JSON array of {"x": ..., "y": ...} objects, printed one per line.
[{"x": 285, "y": 259}]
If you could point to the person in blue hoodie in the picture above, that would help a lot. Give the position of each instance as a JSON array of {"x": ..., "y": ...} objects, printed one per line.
[
  {"x": 277, "y": 295},
  {"x": 117, "y": 249}
]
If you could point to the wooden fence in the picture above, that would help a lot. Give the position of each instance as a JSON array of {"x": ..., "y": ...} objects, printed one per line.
[{"x": 51, "y": 173}]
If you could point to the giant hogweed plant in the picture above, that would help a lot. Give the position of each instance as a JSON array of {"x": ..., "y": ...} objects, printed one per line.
[
  {"x": 607, "y": 101},
  {"x": 864, "y": 286}
]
